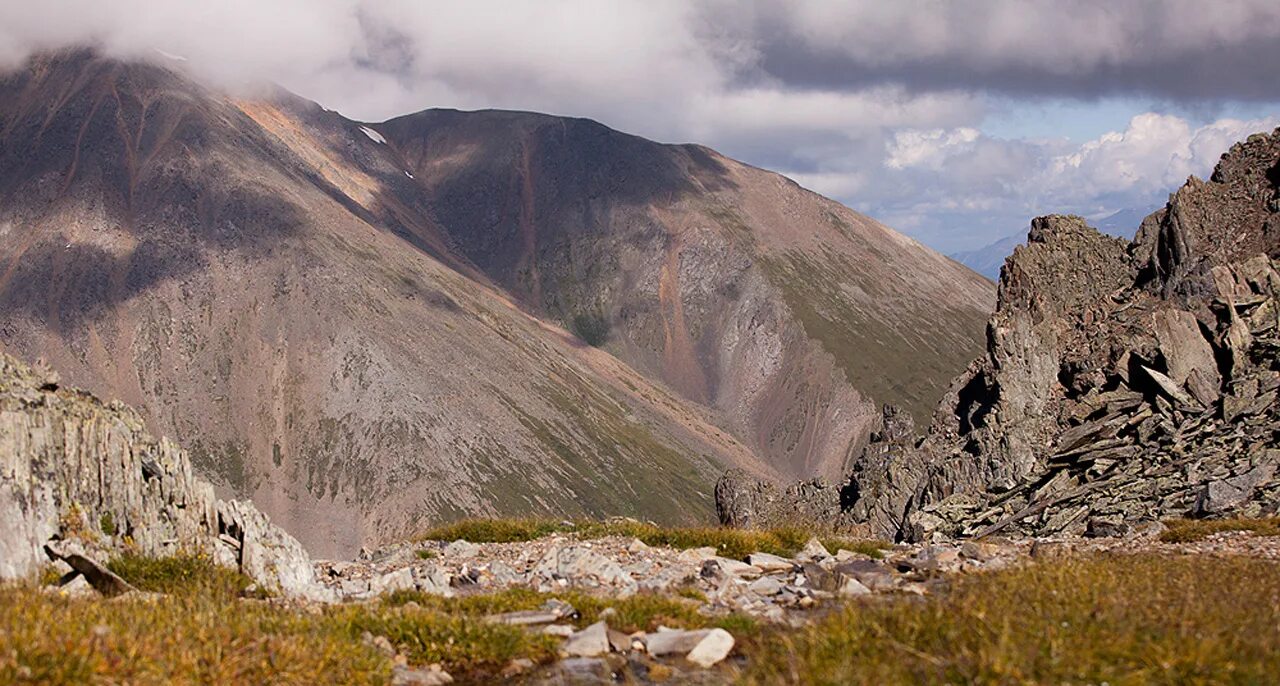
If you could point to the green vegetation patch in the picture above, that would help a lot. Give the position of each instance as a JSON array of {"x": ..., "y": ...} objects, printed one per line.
[
  {"x": 181, "y": 575},
  {"x": 735, "y": 543},
  {"x": 874, "y": 355},
  {"x": 513, "y": 530},
  {"x": 1121, "y": 619},
  {"x": 1189, "y": 530}
]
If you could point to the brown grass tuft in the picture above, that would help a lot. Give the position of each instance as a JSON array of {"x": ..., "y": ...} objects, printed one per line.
[
  {"x": 1123, "y": 619},
  {"x": 1190, "y": 530}
]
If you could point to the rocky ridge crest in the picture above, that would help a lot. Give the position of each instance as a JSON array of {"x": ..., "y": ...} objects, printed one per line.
[
  {"x": 77, "y": 475},
  {"x": 1121, "y": 383}
]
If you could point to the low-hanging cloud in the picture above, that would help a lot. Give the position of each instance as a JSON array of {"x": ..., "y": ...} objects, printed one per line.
[{"x": 880, "y": 104}]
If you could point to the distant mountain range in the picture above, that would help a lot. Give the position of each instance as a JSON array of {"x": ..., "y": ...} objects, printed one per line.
[
  {"x": 371, "y": 327},
  {"x": 988, "y": 259}
]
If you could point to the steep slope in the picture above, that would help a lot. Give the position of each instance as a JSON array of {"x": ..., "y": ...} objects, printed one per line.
[
  {"x": 161, "y": 246},
  {"x": 788, "y": 313},
  {"x": 358, "y": 325}
]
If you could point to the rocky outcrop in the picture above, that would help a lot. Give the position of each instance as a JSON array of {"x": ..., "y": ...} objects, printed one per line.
[
  {"x": 1121, "y": 382},
  {"x": 79, "y": 475}
]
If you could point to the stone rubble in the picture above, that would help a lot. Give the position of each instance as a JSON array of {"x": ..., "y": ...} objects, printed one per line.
[
  {"x": 789, "y": 591},
  {"x": 1123, "y": 383}
]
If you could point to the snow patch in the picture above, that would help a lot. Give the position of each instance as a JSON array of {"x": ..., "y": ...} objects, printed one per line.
[
  {"x": 373, "y": 135},
  {"x": 169, "y": 55}
]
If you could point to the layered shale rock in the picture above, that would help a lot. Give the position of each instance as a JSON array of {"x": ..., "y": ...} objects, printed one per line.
[
  {"x": 1121, "y": 382},
  {"x": 79, "y": 475}
]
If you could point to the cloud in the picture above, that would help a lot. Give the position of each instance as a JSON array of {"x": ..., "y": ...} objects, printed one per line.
[
  {"x": 1186, "y": 50},
  {"x": 879, "y": 104},
  {"x": 935, "y": 180}
]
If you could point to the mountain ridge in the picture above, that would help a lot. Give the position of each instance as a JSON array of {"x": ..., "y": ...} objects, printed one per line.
[{"x": 274, "y": 286}]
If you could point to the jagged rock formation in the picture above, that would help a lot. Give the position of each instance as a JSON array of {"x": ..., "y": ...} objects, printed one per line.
[
  {"x": 84, "y": 473},
  {"x": 366, "y": 328},
  {"x": 1121, "y": 382}
]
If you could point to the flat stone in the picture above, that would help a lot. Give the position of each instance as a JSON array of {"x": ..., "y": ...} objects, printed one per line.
[
  {"x": 524, "y": 617},
  {"x": 873, "y": 574},
  {"x": 769, "y": 563},
  {"x": 813, "y": 550},
  {"x": 399, "y": 580},
  {"x": 581, "y": 670},
  {"x": 737, "y": 568},
  {"x": 765, "y": 585},
  {"x": 696, "y": 554},
  {"x": 561, "y": 630},
  {"x": 590, "y": 642},
  {"x": 713, "y": 648},
  {"x": 978, "y": 550},
  {"x": 851, "y": 587},
  {"x": 843, "y": 555},
  {"x": 406, "y": 676},
  {"x": 463, "y": 550}
]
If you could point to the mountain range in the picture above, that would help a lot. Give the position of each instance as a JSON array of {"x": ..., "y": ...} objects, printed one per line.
[
  {"x": 988, "y": 259},
  {"x": 370, "y": 327}
]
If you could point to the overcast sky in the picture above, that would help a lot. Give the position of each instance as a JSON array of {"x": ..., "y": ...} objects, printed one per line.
[{"x": 953, "y": 122}]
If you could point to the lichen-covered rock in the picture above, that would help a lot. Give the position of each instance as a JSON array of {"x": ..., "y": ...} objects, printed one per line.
[{"x": 75, "y": 468}]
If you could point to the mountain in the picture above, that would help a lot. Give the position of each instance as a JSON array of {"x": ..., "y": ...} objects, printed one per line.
[
  {"x": 1124, "y": 382},
  {"x": 367, "y": 327},
  {"x": 988, "y": 259},
  {"x": 1124, "y": 223}
]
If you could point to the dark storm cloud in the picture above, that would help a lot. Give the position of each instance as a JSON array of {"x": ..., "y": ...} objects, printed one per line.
[
  {"x": 1173, "y": 49},
  {"x": 1245, "y": 71}
]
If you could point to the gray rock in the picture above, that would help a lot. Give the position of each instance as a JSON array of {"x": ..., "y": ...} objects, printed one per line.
[
  {"x": 407, "y": 676},
  {"x": 525, "y": 617},
  {"x": 561, "y": 630},
  {"x": 462, "y": 550},
  {"x": 1222, "y": 495},
  {"x": 770, "y": 563},
  {"x": 813, "y": 550},
  {"x": 851, "y": 587},
  {"x": 67, "y": 458},
  {"x": 590, "y": 642},
  {"x": 704, "y": 647},
  {"x": 713, "y": 648},
  {"x": 766, "y": 586},
  {"x": 399, "y": 580}
]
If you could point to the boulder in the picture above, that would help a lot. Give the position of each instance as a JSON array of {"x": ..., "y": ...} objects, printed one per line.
[{"x": 590, "y": 642}]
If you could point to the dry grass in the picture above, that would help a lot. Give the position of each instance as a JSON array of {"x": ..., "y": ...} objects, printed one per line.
[
  {"x": 1190, "y": 530},
  {"x": 735, "y": 543},
  {"x": 1132, "y": 619},
  {"x": 1114, "y": 619},
  {"x": 200, "y": 631},
  {"x": 182, "y": 575},
  {"x": 47, "y": 639}
]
